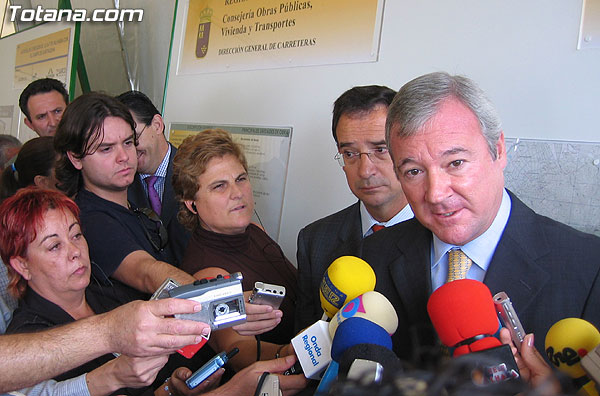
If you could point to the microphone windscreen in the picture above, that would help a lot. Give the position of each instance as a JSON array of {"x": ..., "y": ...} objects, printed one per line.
[
  {"x": 346, "y": 278},
  {"x": 376, "y": 353},
  {"x": 461, "y": 310},
  {"x": 372, "y": 306},
  {"x": 569, "y": 340},
  {"x": 355, "y": 331}
]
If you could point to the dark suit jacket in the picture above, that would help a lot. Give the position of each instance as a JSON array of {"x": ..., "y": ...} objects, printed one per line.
[
  {"x": 178, "y": 235},
  {"x": 319, "y": 244},
  {"x": 549, "y": 271}
]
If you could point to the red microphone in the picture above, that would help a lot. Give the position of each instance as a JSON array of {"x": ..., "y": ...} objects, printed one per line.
[{"x": 464, "y": 316}]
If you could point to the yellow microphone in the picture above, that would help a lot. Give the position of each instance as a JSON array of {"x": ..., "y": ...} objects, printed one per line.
[
  {"x": 567, "y": 342},
  {"x": 372, "y": 306},
  {"x": 346, "y": 278}
]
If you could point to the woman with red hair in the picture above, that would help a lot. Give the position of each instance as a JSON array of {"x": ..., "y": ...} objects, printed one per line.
[{"x": 49, "y": 270}]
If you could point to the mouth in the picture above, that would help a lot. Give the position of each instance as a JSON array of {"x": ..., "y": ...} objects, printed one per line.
[
  {"x": 238, "y": 208},
  {"x": 79, "y": 271}
]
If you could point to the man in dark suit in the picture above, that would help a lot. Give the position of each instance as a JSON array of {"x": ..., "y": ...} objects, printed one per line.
[
  {"x": 448, "y": 150},
  {"x": 359, "y": 131},
  {"x": 155, "y": 162}
]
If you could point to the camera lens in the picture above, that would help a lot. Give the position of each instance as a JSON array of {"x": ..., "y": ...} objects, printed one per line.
[{"x": 221, "y": 309}]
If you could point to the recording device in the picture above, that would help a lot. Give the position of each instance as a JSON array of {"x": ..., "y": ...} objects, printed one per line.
[
  {"x": 463, "y": 314},
  {"x": 210, "y": 368},
  {"x": 346, "y": 278},
  {"x": 509, "y": 318},
  {"x": 267, "y": 294},
  {"x": 163, "y": 290},
  {"x": 365, "y": 371},
  {"x": 567, "y": 341},
  {"x": 268, "y": 385},
  {"x": 222, "y": 300},
  {"x": 591, "y": 364}
]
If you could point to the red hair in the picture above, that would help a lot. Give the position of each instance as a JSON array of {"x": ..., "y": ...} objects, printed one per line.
[{"x": 20, "y": 217}]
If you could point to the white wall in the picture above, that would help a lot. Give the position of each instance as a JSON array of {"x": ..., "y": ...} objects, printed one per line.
[{"x": 523, "y": 54}]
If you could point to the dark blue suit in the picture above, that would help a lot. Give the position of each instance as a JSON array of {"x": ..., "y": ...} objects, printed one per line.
[
  {"x": 320, "y": 243},
  {"x": 549, "y": 271},
  {"x": 178, "y": 235}
]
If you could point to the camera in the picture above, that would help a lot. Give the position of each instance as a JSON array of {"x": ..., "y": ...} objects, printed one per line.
[{"x": 222, "y": 300}]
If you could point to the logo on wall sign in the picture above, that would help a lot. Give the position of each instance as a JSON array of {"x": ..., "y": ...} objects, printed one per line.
[{"x": 203, "y": 32}]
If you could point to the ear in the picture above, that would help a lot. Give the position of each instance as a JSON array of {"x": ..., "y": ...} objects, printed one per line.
[
  {"x": 19, "y": 264},
  {"x": 28, "y": 123},
  {"x": 501, "y": 150},
  {"x": 191, "y": 206},
  {"x": 158, "y": 123},
  {"x": 74, "y": 160},
  {"x": 40, "y": 181}
]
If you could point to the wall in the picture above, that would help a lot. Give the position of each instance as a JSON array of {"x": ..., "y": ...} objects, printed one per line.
[{"x": 523, "y": 54}]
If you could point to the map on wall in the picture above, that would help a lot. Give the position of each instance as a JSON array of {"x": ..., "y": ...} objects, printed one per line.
[{"x": 558, "y": 179}]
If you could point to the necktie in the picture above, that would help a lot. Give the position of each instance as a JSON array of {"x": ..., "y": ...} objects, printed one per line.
[
  {"x": 458, "y": 265},
  {"x": 377, "y": 227},
  {"x": 153, "y": 194}
]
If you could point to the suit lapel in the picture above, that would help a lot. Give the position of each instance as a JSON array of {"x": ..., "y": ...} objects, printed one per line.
[
  {"x": 170, "y": 205},
  {"x": 411, "y": 270},
  {"x": 516, "y": 265},
  {"x": 350, "y": 236}
]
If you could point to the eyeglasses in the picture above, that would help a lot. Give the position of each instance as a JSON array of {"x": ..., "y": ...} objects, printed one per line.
[
  {"x": 376, "y": 155},
  {"x": 137, "y": 135},
  {"x": 155, "y": 231}
]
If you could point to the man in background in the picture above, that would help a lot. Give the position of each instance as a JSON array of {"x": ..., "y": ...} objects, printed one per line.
[
  {"x": 152, "y": 187},
  {"x": 43, "y": 103},
  {"x": 358, "y": 128}
]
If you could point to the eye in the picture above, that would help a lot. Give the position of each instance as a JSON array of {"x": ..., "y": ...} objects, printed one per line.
[
  {"x": 105, "y": 149},
  {"x": 54, "y": 247},
  {"x": 77, "y": 236},
  {"x": 242, "y": 178},
  {"x": 349, "y": 154},
  {"x": 457, "y": 163},
  {"x": 412, "y": 172},
  {"x": 380, "y": 150},
  {"x": 218, "y": 186},
  {"x": 58, "y": 111}
]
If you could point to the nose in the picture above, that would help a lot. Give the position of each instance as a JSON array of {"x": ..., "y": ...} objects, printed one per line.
[
  {"x": 366, "y": 168},
  {"x": 438, "y": 187},
  {"x": 236, "y": 191},
  {"x": 53, "y": 118},
  {"x": 122, "y": 154},
  {"x": 74, "y": 250}
]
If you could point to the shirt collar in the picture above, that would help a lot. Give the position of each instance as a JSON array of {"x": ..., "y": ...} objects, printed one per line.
[
  {"x": 367, "y": 221},
  {"x": 162, "y": 168},
  {"x": 482, "y": 248}
]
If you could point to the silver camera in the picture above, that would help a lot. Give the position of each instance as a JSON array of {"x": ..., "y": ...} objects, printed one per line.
[{"x": 222, "y": 300}]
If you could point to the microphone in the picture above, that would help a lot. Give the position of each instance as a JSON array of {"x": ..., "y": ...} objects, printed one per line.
[
  {"x": 569, "y": 341},
  {"x": 351, "y": 333},
  {"x": 346, "y": 278},
  {"x": 371, "y": 305},
  {"x": 465, "y": 319}
]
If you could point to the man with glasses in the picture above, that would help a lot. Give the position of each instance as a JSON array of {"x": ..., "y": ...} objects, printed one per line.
[
  {"x": 152, "y": 187},
  {"x": 359, "y": 131}
]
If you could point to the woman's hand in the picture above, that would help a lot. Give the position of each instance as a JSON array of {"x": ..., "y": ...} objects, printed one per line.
[
  {"x": 532, "y": 366},
  {"x": 177, "y": 386},
  {"x": 259, "y": 319},
  {"x": 245, "y": 382},
  {"x": 124, "y": 372}
]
